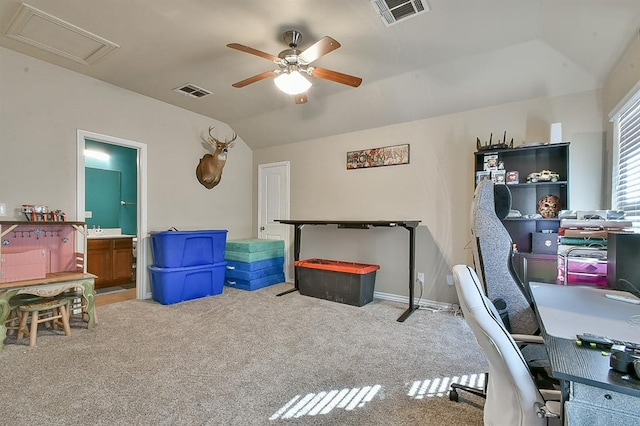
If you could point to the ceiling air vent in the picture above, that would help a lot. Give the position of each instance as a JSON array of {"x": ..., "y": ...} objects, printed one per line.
[
  {"x": 393, "y": 11},
  {"x": 192, "y": 90}
]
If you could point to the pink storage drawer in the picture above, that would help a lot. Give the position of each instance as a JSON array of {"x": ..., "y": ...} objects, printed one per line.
[
  {"x": 22, "y": 265},
  {"x": 584, "y": 272},
  {"x": 600, "y": 281},
  {"x": 588, "y": 267}
]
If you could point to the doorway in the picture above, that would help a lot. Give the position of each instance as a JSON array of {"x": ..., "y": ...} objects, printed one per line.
[
  {"x": 133, "y": 215},
  {"x": 274, "y": 204}
]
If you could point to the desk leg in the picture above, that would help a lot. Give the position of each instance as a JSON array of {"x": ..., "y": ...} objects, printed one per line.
[
  {"x": 89, "y": 293},
  {"x": 296, "y": 256},
  {"x": 564, "y": 397},
  {"x": 412, "y": 265}
]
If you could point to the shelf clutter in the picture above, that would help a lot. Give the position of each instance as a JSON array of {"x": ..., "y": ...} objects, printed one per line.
[
  {"x": 537, "y": 175},
  {"x": 254, "y": 263},
  {"x": 582, "y": 247},
  {"x": 40, "y": 213}
]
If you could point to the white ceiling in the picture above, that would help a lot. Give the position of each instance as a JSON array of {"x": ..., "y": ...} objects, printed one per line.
[{"x": 463, "y": 54}]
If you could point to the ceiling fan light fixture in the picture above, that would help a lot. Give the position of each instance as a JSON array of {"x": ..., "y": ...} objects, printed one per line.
[{"x": 292, "y": 83}]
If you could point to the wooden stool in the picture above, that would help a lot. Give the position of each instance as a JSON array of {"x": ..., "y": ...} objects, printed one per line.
[
  {"x": 76, "y": 301},
  {"x": 54, "y": 311},
  {"x": 12, "y": 323}
]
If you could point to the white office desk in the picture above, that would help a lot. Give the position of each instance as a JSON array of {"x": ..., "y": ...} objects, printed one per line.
[
  {"x": 593, "y": 393},
  {"x": 570, "y": 310}
]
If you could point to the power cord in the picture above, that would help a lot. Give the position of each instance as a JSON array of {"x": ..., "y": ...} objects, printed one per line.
[
  {"x": 421, "y": 291},
  {"x": 454, "y": 308}
]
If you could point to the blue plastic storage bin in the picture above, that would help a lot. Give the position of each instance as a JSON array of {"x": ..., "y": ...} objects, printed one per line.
[
  {"x": 177, "y": 249},
  {"x": 174, "y": 285}
]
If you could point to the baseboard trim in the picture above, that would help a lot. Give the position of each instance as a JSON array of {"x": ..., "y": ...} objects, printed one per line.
[{"x": 424, "y": 303}]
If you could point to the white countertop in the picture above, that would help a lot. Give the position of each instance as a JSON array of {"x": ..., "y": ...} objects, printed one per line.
[
  {"x": 105, "y": 236},
  {"x": 102, "y": 233}
]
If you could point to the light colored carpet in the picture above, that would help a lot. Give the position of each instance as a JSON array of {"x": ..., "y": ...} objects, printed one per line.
[{"x": 246, "y": 358}]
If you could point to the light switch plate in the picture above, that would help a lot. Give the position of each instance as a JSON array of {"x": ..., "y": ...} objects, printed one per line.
[
  {"x": 3, "y": 209},
  {"x": 88, "y": 214}
]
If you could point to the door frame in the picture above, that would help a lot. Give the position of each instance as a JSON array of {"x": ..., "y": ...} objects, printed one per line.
[
  {"x": 287, "y": 252},
  {"x": 142, "y": 283}
]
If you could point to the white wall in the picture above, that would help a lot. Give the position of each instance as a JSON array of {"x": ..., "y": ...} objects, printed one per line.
[
  {"x": 41, "y": 108},
  {"x": 436, "y": 187}
]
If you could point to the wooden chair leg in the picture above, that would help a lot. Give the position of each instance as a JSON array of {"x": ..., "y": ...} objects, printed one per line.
[
  {"x": 34, "y": 328},
  {"x": 65, "y": 320},
  {"x": 54, "y": 323},
  {"x": 13, "y": 322},
  {"x": 22, "y": 327}
]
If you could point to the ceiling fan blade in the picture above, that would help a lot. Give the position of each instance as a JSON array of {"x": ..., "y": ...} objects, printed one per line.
[
  {"x": 301, "y": 98},
  {"x": 336, "y": 76},
  {"x": 255, "y": 78},
  {"x": 320, "y": 48},
  {"x": 253, "y": 51}
]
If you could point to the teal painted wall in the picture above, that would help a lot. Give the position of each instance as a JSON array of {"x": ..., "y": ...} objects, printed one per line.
[
  {"x": 102, "y": 197},
  {"x": 103, "y": 189}
]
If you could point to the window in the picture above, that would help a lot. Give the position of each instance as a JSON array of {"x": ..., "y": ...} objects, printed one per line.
[{"x": 626, "y": 179}]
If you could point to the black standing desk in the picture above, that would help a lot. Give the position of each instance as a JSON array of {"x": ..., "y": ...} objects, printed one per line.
[
  {"x": 592, "y": 391},
  {"x": 409, "y": 225}
]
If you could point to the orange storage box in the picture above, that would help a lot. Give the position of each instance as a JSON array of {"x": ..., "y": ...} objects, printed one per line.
[{"x": 344, "y": 282}]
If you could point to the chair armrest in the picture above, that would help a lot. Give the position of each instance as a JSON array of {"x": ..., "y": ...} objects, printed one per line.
[
  {"x": 550, "y": 394},
  {"x": 550, "y": 410},
  {"x": 527, "y": 338}
]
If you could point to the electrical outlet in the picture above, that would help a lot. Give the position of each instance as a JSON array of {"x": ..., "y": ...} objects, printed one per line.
[
  {"x": 449, "y": 279},
  {"x": 421, "y": 277},
  {"x": 3, "y": 209}
]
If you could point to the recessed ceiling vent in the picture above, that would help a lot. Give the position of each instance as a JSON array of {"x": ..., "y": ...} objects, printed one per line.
[
  {"x": 192, "y": 91},
  {"x": 393, "y": 11}
]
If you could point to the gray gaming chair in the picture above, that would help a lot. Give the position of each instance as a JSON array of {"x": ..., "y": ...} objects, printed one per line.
[
  {"x": 512, "y": 397},
  {"x": 492, "y": 256}
]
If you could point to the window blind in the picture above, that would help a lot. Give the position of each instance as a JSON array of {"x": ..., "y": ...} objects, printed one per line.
[{"x": 627, "y": 186}]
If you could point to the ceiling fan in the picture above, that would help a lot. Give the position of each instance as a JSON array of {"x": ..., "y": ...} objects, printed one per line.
[{"x": 292, "y": 63}]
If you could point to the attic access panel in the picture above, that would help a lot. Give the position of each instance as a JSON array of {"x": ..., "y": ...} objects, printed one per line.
[{"x": 47, "y": 32}]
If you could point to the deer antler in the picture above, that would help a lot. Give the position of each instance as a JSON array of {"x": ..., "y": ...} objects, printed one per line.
[{"x": 212, "y": 139}]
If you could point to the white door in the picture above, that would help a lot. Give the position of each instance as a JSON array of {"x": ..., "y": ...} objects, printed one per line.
[{"x": 273, "y": 204}]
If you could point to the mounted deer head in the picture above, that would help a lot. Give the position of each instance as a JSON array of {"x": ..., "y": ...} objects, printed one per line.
[{"x": 209, "y": 170}]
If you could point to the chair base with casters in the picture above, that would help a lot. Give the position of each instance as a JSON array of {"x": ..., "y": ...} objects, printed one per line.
[
  {"x": 455, "y": 387},
  {"x": 53, "y": 311}
]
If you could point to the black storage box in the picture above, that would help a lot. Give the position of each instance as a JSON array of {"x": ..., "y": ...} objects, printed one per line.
[
  {"x": 544, "y": 242},
  {"x": 343, "y": 282}
]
